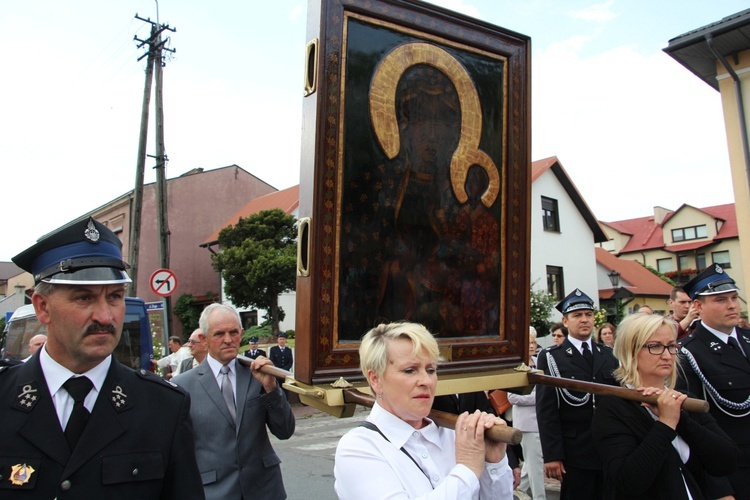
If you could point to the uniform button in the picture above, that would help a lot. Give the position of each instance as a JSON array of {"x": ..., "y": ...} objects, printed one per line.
[
  {"x": 65, "y": 485},
  {"x": 424, "y": 455},
  {"x": 436, "y": 478},
  {"x": 730, "y": 383},
  {"x": 135, "y": 472},
  {"x": 415, "y": 434},
  {"x": 493, "y": 472}
]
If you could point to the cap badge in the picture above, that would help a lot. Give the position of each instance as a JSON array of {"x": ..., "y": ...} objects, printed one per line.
[
  {"x": 91, "y": 233},
  {"x": 20, "y": 474},
  {"x": 718, "y": 269},
  {"x": 27, "y": 398},
  {"x": 578, "y": 293}
]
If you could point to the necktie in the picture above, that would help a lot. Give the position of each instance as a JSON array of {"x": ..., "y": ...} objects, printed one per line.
[
  {"x": 587, "y": 354},
  {"x": 226, "y": 391},
  {"x": 735, "y": 345},
  {"x": 78, "y": 388}
]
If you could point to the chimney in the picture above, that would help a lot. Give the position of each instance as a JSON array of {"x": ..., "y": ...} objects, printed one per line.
[{"x": 660, "y": 213}]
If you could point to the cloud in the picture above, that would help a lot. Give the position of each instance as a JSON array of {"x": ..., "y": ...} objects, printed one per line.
[
  {"x": 600, "y": 12},
  {"x": 631, "y": 129}
]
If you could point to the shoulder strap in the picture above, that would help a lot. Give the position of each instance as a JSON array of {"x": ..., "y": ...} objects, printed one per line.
[{"x": 369, "y": 425}]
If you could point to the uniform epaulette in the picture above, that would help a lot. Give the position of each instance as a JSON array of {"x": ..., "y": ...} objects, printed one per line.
[
  {"x": 147, "y": 375},
  {"x": 550, "y": 348},
  {"x": 686, "y": 340},
  {"x": 3, "y": 368}
]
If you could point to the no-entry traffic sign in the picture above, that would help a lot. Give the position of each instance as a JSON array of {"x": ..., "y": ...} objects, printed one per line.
[{"x": 163, "y": 282}]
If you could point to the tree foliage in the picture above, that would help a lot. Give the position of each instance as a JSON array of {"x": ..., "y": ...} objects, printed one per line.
[
  {"x": 187, "y": 313},
  {"x": 258, "y": 261}
]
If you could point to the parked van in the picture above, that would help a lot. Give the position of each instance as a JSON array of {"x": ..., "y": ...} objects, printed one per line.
[{"x": 135, "y": 349}]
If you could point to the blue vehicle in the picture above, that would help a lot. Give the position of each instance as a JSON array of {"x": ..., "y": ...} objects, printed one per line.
[{"x": 135, "y": 349}]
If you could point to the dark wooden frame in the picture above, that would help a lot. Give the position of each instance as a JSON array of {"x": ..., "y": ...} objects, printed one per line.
[{"x": 321, "y": 353}]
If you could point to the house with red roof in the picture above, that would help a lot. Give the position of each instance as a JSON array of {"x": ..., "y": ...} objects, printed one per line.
[
  {"x": 562, "y": 226},
  {"x": 637, "y": 285},
  {"x": 680, "y": 243}
]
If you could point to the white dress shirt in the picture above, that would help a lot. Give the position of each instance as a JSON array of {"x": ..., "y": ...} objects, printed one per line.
[
  {"x": 368, "y": 466},
  {"x": 175, "y": 359},
  {"x": 578, "y": 344},
  {"x": 56, "y": 375}
]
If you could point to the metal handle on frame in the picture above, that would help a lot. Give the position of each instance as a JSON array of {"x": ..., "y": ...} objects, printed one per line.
[
  {"x": 303, "y": 247},
  {"x": 311, "y": 67}
]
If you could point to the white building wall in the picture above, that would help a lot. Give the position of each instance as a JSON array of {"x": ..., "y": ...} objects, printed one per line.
[{"x": 572, "y": 248}]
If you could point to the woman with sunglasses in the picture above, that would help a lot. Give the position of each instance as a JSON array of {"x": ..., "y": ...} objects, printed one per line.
[{"x": 661, "y": 451}]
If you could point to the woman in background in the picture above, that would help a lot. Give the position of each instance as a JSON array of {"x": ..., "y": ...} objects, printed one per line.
[
  {"x": 524, "y": 419},
  {"x": 606, "y": 335}
]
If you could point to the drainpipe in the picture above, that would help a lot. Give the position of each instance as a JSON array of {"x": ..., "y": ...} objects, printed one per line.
[{"x": 740, "y": 105}]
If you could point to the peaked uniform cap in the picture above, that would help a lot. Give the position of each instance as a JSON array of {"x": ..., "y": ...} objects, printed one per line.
[
  {"x": 711, "y": 281},
  {"x": 84, "y": 253},
  {"x": 574, "y": 301}
]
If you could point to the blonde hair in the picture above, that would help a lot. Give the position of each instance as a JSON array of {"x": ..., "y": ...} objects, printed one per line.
[
  {"x": 373, "y": 351},
  {"x": 632, "y": 334}
]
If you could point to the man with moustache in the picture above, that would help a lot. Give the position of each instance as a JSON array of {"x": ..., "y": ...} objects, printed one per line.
[
  {"x": 232, "y": 406},
  {"x": 564, "y": 416},
  {"x": 77, "y": 423},
  {"x": 716, "y": 367}
]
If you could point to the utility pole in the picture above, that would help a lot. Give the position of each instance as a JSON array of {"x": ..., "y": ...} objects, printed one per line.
[{"x": 155, "y": 63}]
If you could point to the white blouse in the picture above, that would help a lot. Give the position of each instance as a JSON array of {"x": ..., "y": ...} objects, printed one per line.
[{"x": 368, "y": 466}]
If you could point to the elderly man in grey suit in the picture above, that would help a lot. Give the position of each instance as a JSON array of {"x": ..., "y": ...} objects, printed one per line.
[
  {"x": 198, "y": 350},
  {"x": 231, "y": 407}
]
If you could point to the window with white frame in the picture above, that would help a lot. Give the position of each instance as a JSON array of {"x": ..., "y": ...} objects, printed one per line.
[
  {"x": 722, "y": 258},
  {"x": 664, "y": 265}
]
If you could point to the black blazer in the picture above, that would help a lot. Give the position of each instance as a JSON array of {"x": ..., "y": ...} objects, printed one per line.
[
  {"x": 639, "y": 461},
  {"x": 258, "y": 352},
  {"x": 283, "y": 360},
  {"x": 138, "y": 442},
  {"x": 728, "y": 372},
  {"x": 565, "y": 429}
]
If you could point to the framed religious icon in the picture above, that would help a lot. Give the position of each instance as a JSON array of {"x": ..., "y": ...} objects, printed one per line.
[{"x": 415, "y": 181}]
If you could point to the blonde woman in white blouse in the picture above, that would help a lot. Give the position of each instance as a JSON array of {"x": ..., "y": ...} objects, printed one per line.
[{"x": 399, "y": 452}]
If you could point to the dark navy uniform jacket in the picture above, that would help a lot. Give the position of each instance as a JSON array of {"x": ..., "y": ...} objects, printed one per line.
[
  {"x": 137, "y": 444},
  {"x": 564, "y": 423},
  {"x": 728, "y": 372}
]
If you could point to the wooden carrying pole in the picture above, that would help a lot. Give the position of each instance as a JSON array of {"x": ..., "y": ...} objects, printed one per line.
[
  {"x": 690, "y": 404},
  {"x": 500, "y": 434},
  {"x": 507, "y": 435}
]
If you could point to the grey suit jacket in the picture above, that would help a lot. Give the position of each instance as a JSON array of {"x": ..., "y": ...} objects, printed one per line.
[
  {"x": 186, "y": 364},
  {"x": 237, "y": 461}
]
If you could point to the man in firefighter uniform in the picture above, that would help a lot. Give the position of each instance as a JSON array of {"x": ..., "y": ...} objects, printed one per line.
[
  {"x": 716, "y": 366},
  {"x": 564, "y": 416},
  {"x": 76, "y": 423}
]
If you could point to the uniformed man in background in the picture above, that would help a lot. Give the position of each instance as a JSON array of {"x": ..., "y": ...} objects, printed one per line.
[
  {"x": 716, "y": 368},
  {"x": 564, "y": 416},
  {"x": 77, "y": 423}
]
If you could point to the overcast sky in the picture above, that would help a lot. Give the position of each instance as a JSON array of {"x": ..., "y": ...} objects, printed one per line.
[{"x": 632, "y": 127}]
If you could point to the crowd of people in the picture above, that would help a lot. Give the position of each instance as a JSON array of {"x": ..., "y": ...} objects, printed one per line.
[{"x": 81, "y": 425}]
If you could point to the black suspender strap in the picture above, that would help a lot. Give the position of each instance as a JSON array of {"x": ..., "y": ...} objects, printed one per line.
[{"x": 373, "y": 427}]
